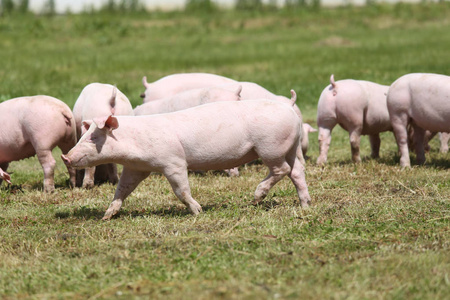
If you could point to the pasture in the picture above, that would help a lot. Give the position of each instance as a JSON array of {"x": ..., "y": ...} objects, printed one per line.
[{"x": 374, "y": 231}]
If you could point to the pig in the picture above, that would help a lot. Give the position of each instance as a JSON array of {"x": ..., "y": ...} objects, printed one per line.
[
  {"x": 173, "y": 84},
  {"x": 187, "y": 99},
  {"x": 176, "y": 83},
  {"x": 213, "y": 136},
  {"x": 357, "y": 106},
  {"x": 35, "y": 125},
  {"x": 422, "y": 100},
  {"x": 99, "y": 99}
]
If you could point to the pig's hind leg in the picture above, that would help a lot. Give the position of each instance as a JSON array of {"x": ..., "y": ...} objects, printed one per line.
[
  {"x": 355, "y": 139},
  {"x": 48, "y": 164},
  {"x": 277, "y": 170},
  {"x": 297, "y": 176},
  {"x": 129, "y": 180},
  {"x": 178, "y": 179}
]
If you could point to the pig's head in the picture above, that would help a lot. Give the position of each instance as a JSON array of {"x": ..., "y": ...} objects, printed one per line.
[{"x": 95, "y": 146}]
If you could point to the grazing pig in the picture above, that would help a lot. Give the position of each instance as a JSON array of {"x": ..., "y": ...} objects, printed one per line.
[
  {"x": 422, "y": 100},
  {"x": 187, "y": 99},
  {"x": 357, "y": 106},
  {"x": 213, "y": 136},
  {"x": 36, "y": 125},
  {"x": 98, "y": 99},
  {"x": 177, "y": 83}
]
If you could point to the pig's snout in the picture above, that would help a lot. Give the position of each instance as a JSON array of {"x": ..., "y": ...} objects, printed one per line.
[{"x": 66, "y": 160}]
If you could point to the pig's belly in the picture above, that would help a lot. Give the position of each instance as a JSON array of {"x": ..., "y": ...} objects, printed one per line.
[
  {"x": 13, "y": 153},
  {"x": 226, "y": 161}
]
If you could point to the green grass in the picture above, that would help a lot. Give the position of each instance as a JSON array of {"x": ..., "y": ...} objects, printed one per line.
[{"x": 374, "y": 231}]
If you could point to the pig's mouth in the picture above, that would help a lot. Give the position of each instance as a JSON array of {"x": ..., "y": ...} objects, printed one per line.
[{"x": 74, "y": 164}]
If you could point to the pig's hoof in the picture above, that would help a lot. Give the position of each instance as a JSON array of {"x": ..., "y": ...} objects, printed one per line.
[
  {"x": 108, "y": 215},
  {"x": 256, "y": 202},
  {"x": 49, "y": 189},
  {"x": 195, "y": 209},
  {"x": 305, "y": 204},
  {"x": 88, "y": 185}
]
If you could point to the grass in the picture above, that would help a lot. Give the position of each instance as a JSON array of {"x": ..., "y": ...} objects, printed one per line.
[{"x": 374, "y": 230}]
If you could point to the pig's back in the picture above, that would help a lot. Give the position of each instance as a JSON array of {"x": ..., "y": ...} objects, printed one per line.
[{"x": 222, "y": 135}]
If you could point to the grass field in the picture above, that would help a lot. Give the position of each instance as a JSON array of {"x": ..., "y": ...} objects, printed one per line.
[{"x": 374, "y": 231}]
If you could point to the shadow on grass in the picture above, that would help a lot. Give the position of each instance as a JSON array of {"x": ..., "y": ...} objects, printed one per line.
[
  {"x": 86, "y": 213},
  {"x": 81, "y": 213}
]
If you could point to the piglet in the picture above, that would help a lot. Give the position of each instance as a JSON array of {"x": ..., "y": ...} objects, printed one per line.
[
  {"x": 422, "y": 100},
  {"x": 357, "y": 106},
  {"x": 213, "y": 136},
  {"x": 99, "y": 99},
  {"x": 36, "y": 125}
]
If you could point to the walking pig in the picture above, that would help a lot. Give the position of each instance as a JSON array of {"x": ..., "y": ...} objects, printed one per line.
[
  {"x": 422, "y": 100},
  {"x": 99, "y": 99},
  {"x": 36, "y": 125},
  {"x": 357, "y": 106},
  {"x": 213, "y": 136},
  {"x": 176, "y": 83}
]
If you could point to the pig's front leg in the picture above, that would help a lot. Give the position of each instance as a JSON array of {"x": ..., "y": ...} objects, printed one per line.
[
  {"x": 178, "y": 179},
  {"x": 48, "y": 164},
  {"x": 3, "y": 174},
  {"x": 375, "y": 145},
  {"x": 129, "y": 180},
  {"x": 88, "y": 180},
  {"x": 444, "y": 137}
]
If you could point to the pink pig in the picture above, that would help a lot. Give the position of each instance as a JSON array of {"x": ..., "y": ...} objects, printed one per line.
[
  {"x": 213, "y": 136},
  {"x": 36, "y": 125},
  {"x": 99, "y": 99},
  {"x": 357, "y": 106},
  {"x": 177, "y": 83},
  {"x": 187, "y": 99},
  {"x": 422, "y": 100}
]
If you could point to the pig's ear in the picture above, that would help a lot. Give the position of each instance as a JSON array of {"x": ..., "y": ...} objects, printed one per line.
[
  {"x": 85, "y": 125},
  {"x": 109, "y": 122}
]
